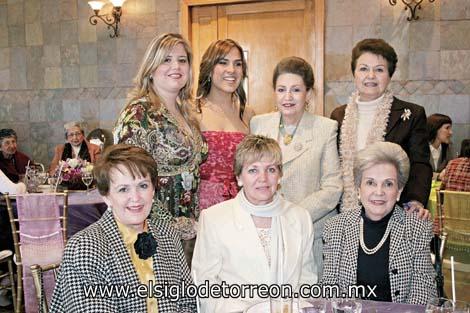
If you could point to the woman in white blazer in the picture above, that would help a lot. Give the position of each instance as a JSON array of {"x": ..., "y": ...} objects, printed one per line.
[
  {"x": 256, "y": 238},
  {"x": 311, "y": 173}
]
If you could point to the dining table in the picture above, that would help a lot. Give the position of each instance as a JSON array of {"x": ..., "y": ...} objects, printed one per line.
[
  {"x": 367, "y": 307},
  {"x": 84, "y": 208}
]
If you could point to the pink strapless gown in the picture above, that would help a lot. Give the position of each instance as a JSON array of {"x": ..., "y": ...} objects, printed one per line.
[{"x": 218, "y": 182}]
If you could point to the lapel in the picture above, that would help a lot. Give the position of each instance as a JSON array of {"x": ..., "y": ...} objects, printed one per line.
[
  {"x": 292, "y": 244},
  {"x": 246, "y": 232},
  {"x": 351, "y": 247},
  {"x": 161, "y": 253},
  {"x": 396, "y": 111},
  {"x": 269, "y": 126},
  {"x": 125, "y": 270},
  {"x": 300, "y": 142},
  {"x": 396, "y": 242}
]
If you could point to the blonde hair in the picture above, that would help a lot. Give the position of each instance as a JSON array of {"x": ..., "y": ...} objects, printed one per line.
[
  {"x": 254, "y": 148},
  {"x": 157, "y": 51}
]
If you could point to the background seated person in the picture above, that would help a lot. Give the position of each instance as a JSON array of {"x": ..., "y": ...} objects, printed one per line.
[
  {"x": 258, "y": 237},
  {"x": 439, "y": 129},
  {"x": 457, "y": 173},
  {"x": 12, "y": 162},
  {"x": 76, "y": 147},
  {"x": 378, "y": 243},
  {"x": 125, "y": 247}
]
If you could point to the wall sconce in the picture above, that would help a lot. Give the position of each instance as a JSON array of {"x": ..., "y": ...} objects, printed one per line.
[
  {"x": 111, "y": 20},
  {"x": 412, "y": 5}
]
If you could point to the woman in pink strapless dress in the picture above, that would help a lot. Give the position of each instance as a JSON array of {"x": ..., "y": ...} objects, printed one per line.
[
  {"x": 217, "y": 180},
  {"x": 223, "y": 118}
]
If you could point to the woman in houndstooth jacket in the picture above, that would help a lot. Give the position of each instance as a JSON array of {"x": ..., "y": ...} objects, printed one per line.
[
  {"x": 124, "y": 252},
  {"x": 378, "y": 245}
]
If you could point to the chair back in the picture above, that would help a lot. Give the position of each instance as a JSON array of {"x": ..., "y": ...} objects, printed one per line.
[
  {"x": 455, "y": 213},
  {"x": 38, "y": 272},
  {"x": 39, "y": 232}
]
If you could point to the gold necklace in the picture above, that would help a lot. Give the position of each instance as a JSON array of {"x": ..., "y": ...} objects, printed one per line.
[{"x": 286, "y": 137}]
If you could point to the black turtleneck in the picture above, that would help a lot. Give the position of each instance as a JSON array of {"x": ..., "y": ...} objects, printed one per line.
[{"x": 373, "y": 270}]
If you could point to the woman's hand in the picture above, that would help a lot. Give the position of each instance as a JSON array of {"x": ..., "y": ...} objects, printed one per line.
[{"x": 416, "y": 206}]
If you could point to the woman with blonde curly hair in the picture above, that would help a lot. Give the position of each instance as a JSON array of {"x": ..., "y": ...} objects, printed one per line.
[{"x": 159, "y": 119}]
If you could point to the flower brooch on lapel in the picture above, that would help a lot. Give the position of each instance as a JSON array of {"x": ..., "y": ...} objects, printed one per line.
[
  {"x": 145, "y": 245},
  {"x": 406, "y": 114}
]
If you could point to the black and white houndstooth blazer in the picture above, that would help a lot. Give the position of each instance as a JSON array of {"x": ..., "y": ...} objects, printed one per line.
[
  {"x": 412, "y": 276},
  {"x": 97, "y": 256}
]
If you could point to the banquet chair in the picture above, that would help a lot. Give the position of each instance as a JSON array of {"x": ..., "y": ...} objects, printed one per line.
[
  {"x": 7, "y": 256},
  {"x": 454, "y": 213},
  {"x": 37, "y": 271},
  {"x": 39, "y": 236}
]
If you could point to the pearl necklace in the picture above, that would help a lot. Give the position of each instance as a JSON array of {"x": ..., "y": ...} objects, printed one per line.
[{"x": 379, "y": 245}]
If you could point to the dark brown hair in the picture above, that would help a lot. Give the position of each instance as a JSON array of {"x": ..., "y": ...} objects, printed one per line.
[
  {"x": 295, "y": 65},
  {"x": 214, "y": 53},
  {"x": 465, "y": 149},
  {"x": 137, "y": 161},
  {"x": 378, "y": 47},
  {"x": 433, "y": 123}
]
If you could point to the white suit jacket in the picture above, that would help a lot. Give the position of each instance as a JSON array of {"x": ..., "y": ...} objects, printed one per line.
[
  {"x": 310, "y": 164},
  {"x": 228, "y": 249}
]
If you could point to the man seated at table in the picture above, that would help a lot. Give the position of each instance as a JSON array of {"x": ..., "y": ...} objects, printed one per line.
[
  {"x": 76, "y": 147},
  {"x": 12, "y": 162}
]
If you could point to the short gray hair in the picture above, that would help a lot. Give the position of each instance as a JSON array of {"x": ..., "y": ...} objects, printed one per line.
[
  {"x": 71, "y": 124},
  {"x": 380, "y": 153}
]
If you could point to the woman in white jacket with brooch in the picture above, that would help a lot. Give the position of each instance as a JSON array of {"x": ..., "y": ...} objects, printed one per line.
[{"x": 311, "y": 172}]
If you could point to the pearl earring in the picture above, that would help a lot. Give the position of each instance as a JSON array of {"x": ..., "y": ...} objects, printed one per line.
[{"x": 240, "y": 184}]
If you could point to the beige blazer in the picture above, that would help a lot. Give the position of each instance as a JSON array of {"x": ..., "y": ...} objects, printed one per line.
[
  {"x": 311, "y": 171},
  {"x": 228, "y": 249}
]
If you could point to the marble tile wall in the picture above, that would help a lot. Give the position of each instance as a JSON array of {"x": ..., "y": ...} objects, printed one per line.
[
  {"x": 433, "y": 54},
  {"x": 56, "y": 67}
]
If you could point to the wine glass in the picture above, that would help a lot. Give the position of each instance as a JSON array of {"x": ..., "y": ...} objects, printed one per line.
[{"x": 87, "y": 178}]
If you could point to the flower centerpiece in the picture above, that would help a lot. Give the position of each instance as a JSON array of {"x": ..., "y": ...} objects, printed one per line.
[{"x": 71, "y": 171}]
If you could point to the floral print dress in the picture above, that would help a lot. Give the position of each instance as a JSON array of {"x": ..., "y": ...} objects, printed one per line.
[{"x": 178, "y": 155}]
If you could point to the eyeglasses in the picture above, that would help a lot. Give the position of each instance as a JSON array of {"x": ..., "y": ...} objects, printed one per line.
[{"x": 77, "y": 134}]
